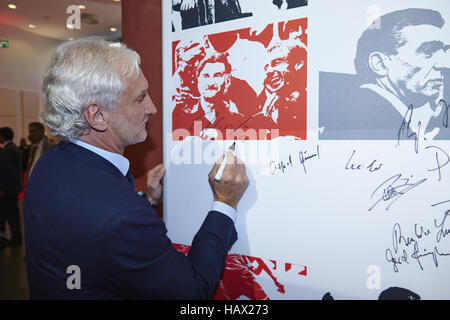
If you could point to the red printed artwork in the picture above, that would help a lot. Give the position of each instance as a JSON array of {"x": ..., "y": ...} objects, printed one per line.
[
  {"x": 247, "y": 84},
  {"x": 239, "y": 280}
]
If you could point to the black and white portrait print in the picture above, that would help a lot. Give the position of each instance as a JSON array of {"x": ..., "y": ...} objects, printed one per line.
[
  {"x": 188, "y": 14},
  {"x": 401, "y": 86}
]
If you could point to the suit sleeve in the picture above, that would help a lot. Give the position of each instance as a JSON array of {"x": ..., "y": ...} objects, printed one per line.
[{"x": 141, "y": 263}]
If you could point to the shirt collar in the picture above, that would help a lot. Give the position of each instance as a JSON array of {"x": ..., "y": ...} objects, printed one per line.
[{"x": 119, "y": 161}]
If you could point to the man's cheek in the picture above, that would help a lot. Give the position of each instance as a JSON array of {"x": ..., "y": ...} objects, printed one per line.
[{"x": 420, "y": 78}]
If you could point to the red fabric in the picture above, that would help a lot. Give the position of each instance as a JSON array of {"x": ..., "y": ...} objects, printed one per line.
[{"x": 239, "y": 279}]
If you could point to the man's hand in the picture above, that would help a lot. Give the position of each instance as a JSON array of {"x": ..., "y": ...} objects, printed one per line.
[
  {"x": 233, "y": 184},
  {"x": 154, "y": 185}
]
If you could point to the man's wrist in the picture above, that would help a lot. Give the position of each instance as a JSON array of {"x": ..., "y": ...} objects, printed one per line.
[{"x": 225, "y": 209}]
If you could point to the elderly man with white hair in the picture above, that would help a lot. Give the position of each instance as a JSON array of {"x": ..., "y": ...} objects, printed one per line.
[{"x": 89, "y": 235}]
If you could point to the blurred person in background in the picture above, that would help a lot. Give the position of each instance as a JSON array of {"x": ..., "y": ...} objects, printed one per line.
[
  {"x": 39, "y": 144},
  {"x": 11, "y": 165}
]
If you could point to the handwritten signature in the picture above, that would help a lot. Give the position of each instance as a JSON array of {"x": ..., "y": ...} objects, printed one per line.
[
  {"x": 281, "y": 165},
  {"x": 443, "y": 231},
  {"x": 352, "y": 165},
  {"x": 406, "y": 130},
  {"x": 446, "y": 106},
  {"x": 393, "y": 189},
  {"x": 442, "y": 159},
  {"x": 303, "y": 157},
  {"x": 402, "y": 244}
]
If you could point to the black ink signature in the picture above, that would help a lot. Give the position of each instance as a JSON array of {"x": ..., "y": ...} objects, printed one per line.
[
  {"x": 280, "y": 165},
  {"x": 446, "y": 107},
  {"x": 406, "y": 131},
  {"x": 393, "y": 189},
  {"x": 241, "y": 125},
  {"x": 420, "y": 232},
  {"x": 395, "y": 260},
  {"x": 435, "y": 253},
  {"x": 442, "y": 231},
  {"x": 439, "y": 164},
  {"x": 399, "y": 256},
  {"x": 439, "y": 203},
  {"x": 398, "y": 238},
  {"x": 303, "y": 157},
  {"x": 372, "y": 167}
]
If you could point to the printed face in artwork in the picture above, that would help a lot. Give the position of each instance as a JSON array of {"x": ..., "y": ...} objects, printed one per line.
[
  {"x": 242, "y": 72},
  {"x": 276, "y": 69},
  {"x": 213, "y": 81},
  {"x": 416, "y": 69}
]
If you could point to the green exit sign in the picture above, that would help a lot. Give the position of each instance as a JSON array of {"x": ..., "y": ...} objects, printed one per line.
[{"x": 4, "y": 44}]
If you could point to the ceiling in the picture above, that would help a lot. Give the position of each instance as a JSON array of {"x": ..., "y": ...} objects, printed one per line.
[{"x": 50, "y": 18}]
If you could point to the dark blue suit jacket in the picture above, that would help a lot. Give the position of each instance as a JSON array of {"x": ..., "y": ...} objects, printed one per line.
[{"x": 80, "y": 210}]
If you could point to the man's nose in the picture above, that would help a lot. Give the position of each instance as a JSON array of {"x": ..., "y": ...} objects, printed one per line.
[
  {"x": 210, "y": 83},
  {"x": 150, "y": 107}
]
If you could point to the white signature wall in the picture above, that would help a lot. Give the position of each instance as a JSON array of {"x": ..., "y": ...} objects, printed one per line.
[{"x": 362, "y": 215}]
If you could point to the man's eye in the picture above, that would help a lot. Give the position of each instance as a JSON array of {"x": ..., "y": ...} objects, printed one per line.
[{"x": 143, "y": 95}]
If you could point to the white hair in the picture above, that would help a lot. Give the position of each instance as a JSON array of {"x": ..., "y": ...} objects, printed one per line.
[{"x": 81, "y": 72}]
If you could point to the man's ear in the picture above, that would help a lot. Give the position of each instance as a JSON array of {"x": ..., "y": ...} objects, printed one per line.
[
  {"x": 95, "y": 116},
  {"x": 379, "y": 63}
]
